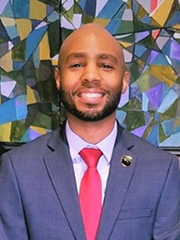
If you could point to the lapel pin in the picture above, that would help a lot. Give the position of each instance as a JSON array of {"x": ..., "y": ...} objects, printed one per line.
[{"x": 126, "y": 161}]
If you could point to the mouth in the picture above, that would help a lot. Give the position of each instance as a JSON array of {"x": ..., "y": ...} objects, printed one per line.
[{"x": 90, "y": 95}]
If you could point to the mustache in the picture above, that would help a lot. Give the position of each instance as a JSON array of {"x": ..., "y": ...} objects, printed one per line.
[{"x": 91, "y": 84}]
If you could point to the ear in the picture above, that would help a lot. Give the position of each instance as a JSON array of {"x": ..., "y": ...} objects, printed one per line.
[
  {"x": 57, "y": 77},
  {"x": 125, "y": 81}
]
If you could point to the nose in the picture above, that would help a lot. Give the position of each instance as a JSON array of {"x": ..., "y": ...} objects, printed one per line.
[{"x": 91, "y": 74}]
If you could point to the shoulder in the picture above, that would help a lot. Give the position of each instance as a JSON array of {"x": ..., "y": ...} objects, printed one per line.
[
  {"x": 34, "y": 149},
  {"x": 144, "y": 149}
]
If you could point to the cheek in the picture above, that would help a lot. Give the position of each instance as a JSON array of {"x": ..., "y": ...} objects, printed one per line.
[
  {"x": 114, "y": 84},
  {"x": 68, "y": 81}
]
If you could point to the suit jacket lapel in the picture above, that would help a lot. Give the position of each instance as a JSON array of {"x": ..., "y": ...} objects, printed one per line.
[
  {"x": 60, "y": 170},
  {"x": 117, "y": 186}
]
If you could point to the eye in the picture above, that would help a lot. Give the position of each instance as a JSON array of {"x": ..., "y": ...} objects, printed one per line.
[
  {"x": 76, "y": 65},
  {"x": 106, "y": 66}
]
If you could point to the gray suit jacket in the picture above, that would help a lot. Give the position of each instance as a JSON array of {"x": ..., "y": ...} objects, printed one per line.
[{"x": 39, "y": 200}]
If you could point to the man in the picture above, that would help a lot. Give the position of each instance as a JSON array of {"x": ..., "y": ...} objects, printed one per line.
[{"x": 40, "y": 182}]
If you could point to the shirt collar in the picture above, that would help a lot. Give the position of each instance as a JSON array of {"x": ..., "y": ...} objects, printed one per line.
[{"x": 76, "y": 144}]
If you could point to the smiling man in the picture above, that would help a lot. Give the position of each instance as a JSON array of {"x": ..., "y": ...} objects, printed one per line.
[{"x": 90, "y": 179}]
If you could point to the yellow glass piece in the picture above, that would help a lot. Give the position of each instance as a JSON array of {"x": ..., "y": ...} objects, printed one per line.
[
  {"x": 6, "y": 62},
  {"x": 164, "y": 74},
  {"x": 30, "y": 96},
  {"x": 177, "y": 26},
  {"x": 8, "y": 22},
  {"x": 5, "y": 132},
  {"x": 38, "y": 130},
  {"x": 24, "y": 27},
  {"x": 54, "y": 62},
  {"x": 125, "y": 44},
  {"x": 44, "y": 51},
  {"x": 37, "y": 10},
  {"x": 161, "y": 14},
  {"x": 101, "y": 21}
]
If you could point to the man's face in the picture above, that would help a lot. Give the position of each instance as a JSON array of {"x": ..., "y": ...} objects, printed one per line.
[{"x": 91, "y": 77}]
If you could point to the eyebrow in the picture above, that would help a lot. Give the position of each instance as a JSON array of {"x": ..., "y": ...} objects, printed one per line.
[
  {"x": 101, "y": 56},
  {"x": 106, "y": 56},
  {"x": 76, "y": 55}
]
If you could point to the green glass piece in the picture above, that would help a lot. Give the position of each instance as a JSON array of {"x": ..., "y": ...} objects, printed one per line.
[{"x": 17, "y": 131}]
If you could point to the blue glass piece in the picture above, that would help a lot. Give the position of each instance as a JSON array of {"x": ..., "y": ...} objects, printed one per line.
[
  {"x": 120, "y": 116},
  {"x": 157, "y": 117},
  {"x": 17, "y": 65},
  {"x": 139, "y": 50},
  {"x": 146, "y": 19},
  {"x": 25, "y": 138},
  {"x": 112, "y": 27},
  {"x": 82, "y": 3},
  {"x": 33, "y": 40},
  {"x": 13, "y": 109},
  {"x": 147, "y": 118},
  {"x": 172, "y": 141},
  {"x": 175, "y": 19},
  {"x": 12, "y": 31},
  {"x": 110, "y": 9},
  {"x": 166, "y": 48},
  {"x": 164, "y": 33},
  {"x": 21, "y": 8},
  {"x": 160, "y": 60},
  {"x": 16, "y": 40},
  {"x": 3, "y": 32},
  {"x": 120, "y": 12},
  {"x": 21, "y": 107},
  {"x": 176, "y": 64},
  {"x": 167, "y": 126},
  {"x": 90, "y": 7},
  {"x": 145, "y": 102},
  {"x": 8, "y": 12},
  {"x": 135, "y": 7},
  {"x": 35, "y": 23},
  {"x": 53, "y": 17},
  {"x": 154, "y": 135},
  {"x": 168, "y": 100}
]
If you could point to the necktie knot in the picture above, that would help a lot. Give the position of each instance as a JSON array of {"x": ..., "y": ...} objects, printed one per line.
[{"x": 90, "y": 156}]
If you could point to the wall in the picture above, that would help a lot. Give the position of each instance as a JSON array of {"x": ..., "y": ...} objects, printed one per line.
[{"x": 149, "y": 32}]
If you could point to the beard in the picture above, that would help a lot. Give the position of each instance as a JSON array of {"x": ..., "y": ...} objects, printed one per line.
[{"x": 90, "y": 115}]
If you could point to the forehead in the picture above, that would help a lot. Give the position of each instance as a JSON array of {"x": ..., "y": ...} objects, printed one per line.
[{"x": 91, "y": 43}]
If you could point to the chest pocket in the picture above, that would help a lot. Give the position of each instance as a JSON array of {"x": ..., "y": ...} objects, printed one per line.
[{"x": 134, "y": 213}]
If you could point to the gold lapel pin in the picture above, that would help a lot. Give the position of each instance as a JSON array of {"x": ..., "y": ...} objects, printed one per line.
[{"x": 126, "y": 161}]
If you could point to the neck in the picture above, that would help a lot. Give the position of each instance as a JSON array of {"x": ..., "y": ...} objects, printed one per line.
[{"x": 92, "y": 132}]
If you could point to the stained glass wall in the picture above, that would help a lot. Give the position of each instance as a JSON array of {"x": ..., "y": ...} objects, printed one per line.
[
  {"x": 149, "y": 32},
  {"x": 29, "y": 44}
]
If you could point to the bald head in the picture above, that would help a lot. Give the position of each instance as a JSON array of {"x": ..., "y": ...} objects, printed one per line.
[{"x": 94, "y": 36}]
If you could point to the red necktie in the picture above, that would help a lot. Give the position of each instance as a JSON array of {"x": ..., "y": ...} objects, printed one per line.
[{"x": 90, "y": 192}]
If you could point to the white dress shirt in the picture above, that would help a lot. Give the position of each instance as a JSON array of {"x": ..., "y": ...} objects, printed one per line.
[{"x": 76, "y": 144}]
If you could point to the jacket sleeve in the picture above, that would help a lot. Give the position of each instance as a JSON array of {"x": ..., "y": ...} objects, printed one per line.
[
  {"x": 12, "y": 218},
  {"x": 167, "y": 221}
]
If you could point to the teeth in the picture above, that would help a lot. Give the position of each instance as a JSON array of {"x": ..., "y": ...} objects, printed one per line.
[{"x": 91, "y": 95}]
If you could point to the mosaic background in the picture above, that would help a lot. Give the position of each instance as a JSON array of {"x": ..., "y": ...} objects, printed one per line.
[
  {"x": 149, "y": 32},
  {"x": 29, "y": 44}
]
